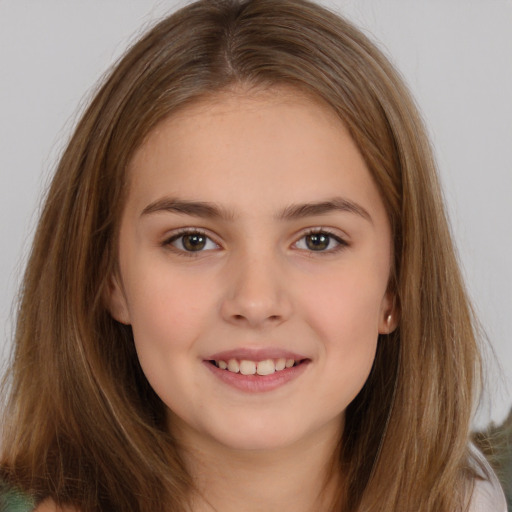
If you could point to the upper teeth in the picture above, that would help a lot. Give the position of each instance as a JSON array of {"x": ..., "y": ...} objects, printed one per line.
[{"x": 246, "y": 367}]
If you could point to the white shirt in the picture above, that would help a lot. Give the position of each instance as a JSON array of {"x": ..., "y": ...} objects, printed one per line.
[{"x": 488, "y": 495}]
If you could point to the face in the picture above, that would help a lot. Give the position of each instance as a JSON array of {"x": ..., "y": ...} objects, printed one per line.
[{"x": 254, "y": 258}]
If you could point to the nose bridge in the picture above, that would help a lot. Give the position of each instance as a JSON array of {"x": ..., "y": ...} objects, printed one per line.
[{"x": 256, "y": 294}]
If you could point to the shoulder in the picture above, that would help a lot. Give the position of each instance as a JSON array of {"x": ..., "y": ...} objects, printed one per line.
[
  {"x": 50, "y": 506},
  {"x": 487, "y": 497},
  {"x": 487, "y": 494},
  {"x": 46, "y": 506}
]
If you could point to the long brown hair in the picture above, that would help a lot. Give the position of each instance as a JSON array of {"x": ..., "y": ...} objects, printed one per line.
[{"x": 83, "y": 425}]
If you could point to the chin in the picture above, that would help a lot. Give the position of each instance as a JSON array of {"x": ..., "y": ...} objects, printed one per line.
[{"x": 268, "y": 433}]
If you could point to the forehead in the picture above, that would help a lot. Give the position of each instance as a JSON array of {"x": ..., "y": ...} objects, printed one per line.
[
  {"x": 241, "y": 107},
  {"x": 269, "y": 146}
]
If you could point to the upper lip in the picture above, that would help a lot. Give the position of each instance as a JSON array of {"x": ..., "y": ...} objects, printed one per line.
[{"x": 255, "y": 354}]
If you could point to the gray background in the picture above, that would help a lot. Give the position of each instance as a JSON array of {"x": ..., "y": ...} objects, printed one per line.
[{"x": 456, "y": 56}]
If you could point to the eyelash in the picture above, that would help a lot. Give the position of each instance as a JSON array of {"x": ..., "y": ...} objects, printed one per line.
[{"x": 341, "y": 243}]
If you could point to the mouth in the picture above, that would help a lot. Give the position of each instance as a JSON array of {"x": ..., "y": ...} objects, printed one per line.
[
  {"x": 256, "y": 370},
  {"x": 262, "y": 368}
]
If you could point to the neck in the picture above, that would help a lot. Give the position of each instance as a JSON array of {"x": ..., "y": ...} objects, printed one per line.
[{"x": 303, "y": 477}]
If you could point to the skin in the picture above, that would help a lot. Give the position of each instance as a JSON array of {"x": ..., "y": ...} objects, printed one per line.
[
  {"x": 255, "y": 284},
  {"x": 50, "y": 506}
]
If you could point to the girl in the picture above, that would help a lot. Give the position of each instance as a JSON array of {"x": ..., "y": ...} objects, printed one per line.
[{"x": 242, "y": 294}]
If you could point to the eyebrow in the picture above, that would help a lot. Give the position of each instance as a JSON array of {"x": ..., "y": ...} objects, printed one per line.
[
  {"x": 204, "y": 209},
  {"x": 336, "y": 204},
  {"x": 194, "y": 208}
]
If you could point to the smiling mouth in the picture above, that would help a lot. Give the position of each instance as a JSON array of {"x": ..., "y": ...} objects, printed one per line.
[{"x": 262, "y": 368}]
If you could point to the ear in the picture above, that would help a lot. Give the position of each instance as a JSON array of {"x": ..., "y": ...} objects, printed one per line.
[
  {"x": 115, "y": 300},
  {"x": 388, "y": 314}
]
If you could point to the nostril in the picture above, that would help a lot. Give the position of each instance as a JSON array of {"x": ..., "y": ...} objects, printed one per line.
[{"x": 272, "y": 318}]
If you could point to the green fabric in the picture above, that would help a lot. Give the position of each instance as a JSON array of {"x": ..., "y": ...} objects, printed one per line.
[{"x": 11, "y": 500}]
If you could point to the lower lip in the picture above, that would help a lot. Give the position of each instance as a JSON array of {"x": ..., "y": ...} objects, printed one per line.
[{"x": 258, "y": 383}]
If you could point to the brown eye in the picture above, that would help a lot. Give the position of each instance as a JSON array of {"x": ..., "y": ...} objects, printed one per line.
[
  {"x": 317, "y": 241},
  {"x": 193, "y": 241},
  {"x": 320, "y": 241}
]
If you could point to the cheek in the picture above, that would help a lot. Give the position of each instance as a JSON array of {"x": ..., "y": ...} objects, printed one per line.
[
  {"x": 168, "y": 311},
  {"x": 347, "y": 327},
  {"x": 347, "y": 301},
  {"x": 168, "y": 315},
  {"x": 344, "y": 313}
]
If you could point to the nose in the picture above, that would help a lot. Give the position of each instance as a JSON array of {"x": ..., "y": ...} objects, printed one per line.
[{"x": 256, "y": 295}]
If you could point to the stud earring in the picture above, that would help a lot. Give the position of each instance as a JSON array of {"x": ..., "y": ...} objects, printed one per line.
[{"x": 388, "y": 322}]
